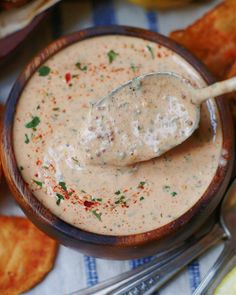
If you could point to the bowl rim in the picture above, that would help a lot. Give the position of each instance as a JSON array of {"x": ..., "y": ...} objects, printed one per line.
[{"x": 38, "y": 213}]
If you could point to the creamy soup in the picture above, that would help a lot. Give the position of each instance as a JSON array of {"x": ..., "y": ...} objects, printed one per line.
[{"x": 101, "y": 198}]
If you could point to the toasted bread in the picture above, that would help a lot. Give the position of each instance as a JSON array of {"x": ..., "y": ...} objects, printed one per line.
[{"x": 26, "y": 255}]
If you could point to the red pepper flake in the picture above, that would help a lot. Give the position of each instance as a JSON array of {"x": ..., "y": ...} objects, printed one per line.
[
  {"x": 79, "y": 201},
  {"x": 36, "y": 175},
  {"x": 88, "y": 204},
  {"x": 68, "y": 77},
  {"x": 39, "y": 162},
  {"x": 67, "y": 196},
  {"x": 141, "y": 184}
]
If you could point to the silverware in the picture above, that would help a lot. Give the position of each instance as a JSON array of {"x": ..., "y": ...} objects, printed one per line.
[
  {"x": 108, "y": 286},
  {"x": 150, "y": 277},
  {"x": 228, "y": 223},
  {"x": 153, "y": 277}
]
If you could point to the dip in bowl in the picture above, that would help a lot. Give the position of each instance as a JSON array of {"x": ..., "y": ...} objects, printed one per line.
[{"x": 103, "y": 210}]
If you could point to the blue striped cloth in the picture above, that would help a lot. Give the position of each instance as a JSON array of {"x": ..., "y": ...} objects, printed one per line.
[{"x": 74, "y": 271}]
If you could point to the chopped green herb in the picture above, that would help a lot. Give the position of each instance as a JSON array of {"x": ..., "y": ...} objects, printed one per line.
[
  {"x": 141, "y": 184},
  {"x": 33, "y": 123},
  {"x": 133, "y": 67},
  {"x": 70, "y": 194},
  {"x": 83, "y": 191},
  {"x": 96, "y": 214},
  {"x": 39, "y": 183},
  {"x": 151, "y": 51},
  {"x": 141, "y": 198},
  {"x": 112, "y": 55},
  {"x": 44, "y": 71},
  {"x": 166, "y": 188},
  {"x": 63, "y": 185},
  {"x": 21, "y": 168},
  {"x": 56, "y": 109},
  {"x": 96, "y": 199},
  {"x": 75, "y": 160},
  {"x": 120, "y": 200},
  {"x": 79, "y": 66},
  {"x": 45, "y": 167},
  {"x": 26, "y": 139},
  {"x": 59, "y": 198},
  {"x": 117, "y": 193}
]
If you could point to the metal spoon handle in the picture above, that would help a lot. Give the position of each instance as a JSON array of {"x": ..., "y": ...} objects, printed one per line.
[
  {"x": 225, "y": 256},
  {"x": 153, "y": 280},
  {"x": 216, "y": 89},
  {"x": 149, "y": 277},
  {"x": 111, "y": 284}
]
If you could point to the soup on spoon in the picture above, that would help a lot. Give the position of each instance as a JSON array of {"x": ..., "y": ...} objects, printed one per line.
[{"x": 144, "y": 118}]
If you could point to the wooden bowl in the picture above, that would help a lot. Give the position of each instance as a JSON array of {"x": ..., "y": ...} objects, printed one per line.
[{"x": 116, "y": 247}]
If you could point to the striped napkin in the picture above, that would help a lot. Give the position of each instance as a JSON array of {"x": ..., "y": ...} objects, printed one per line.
[{"x": 73, "y": 270}]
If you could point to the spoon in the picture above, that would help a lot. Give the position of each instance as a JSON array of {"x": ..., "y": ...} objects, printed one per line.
[
  {"x": 147, "y": 280},
  {"x": 228, "y": 223},
  {"x": 145, "y": 117}
]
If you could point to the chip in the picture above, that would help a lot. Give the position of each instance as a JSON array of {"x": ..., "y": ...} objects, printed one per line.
[
  {"x": 213, "y": 38},
  {"x": 26, "y": 255}
]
